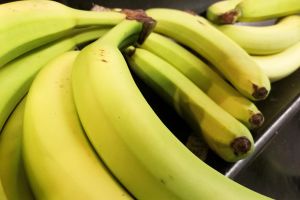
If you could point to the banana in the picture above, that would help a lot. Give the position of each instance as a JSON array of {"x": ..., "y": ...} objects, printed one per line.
[
  {"x": 59, "y": 160},
  {"x": 227, "y": 56},
  {"x": 263, "y": 40},
  {"x": 281, "y": 65},
  {"x": 28, "y": 24},
  {"x": 16, "y": 76},
  {"x": 226, "y": 136},
  {"x": 223, "y": 12},
  {"x": 12, "y": 172},
  {"x": 2, "y": 193},
  {"x": 254, "y": 10},
  {"x": 206, "y": 79},
  {"x": 130, "y": 138}
]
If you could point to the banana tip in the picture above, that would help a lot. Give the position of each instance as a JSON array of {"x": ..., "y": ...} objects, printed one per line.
[
  {"x": 241, "y": 145},
  {"x": 229, "y": 17},
  {"x": 256, "y": 120},
  {"x": 259, "y": 93}
]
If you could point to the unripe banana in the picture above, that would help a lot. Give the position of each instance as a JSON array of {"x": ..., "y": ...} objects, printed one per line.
[
  {"x": 59, "y": 160},
  {"x": 12, "y": 172},
  {"x": 16, "y": 76},
  {"x": 281, "y": 65},
  {"x": 223, "y": 12},
  {"x": 263, "y": 40},
  {"x": 227, "y": 56},
  {"x": 225, "y": 135},
  {"x": 206, "y": 79},
  {"x": 130, "y": 138},
  {"x": 255, "y": 10},
  {"x": 2, "y": 193},
  {"x": 28, "y": 24}
]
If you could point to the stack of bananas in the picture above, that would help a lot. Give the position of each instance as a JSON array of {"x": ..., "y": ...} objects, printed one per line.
[{"x": 74, "y": 124}]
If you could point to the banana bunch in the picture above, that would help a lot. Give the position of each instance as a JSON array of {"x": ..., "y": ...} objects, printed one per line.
[{"x": 74, "y": 124}]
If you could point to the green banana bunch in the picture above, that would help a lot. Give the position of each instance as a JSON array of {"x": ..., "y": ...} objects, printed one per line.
[
  {"x": 227, "y": 56},
  {"x": 28, "y": 24},
  {"x": 253, "y": 10},
  {"x": 12, "y": 172},
  {"x": 16, "y": 76},
  {"x": 59, "y": 160},
  {"x": 225, "y": 135},
  {"x": 130, "y": 138},
  {"x": 223, "y": 12},
  {"x": 281, "y": 65},
  {"x": 263, "y": 40},
  {"x": 206, "y": 79},
  {"x": 2, "y": 193}
]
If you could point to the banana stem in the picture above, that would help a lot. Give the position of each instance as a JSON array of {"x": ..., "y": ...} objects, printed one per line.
[{"x": 135, "y": 19}]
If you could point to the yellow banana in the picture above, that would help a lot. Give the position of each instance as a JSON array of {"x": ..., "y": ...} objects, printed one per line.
[
  {"x": 280, "y": 65},
  {"x": 227, "y": 56},
  {"x": 263, "y": 40},
  {"x": 130, "y": 138},
  {"x": 223, "y": 12},
  {"x": 2, "y": 193},
  {"x": 59, "y": 160},
  {"x": 28, "y": 24},
  {"x": 12, "y": 172},
  {"x": 206, "y": 79},
  {"x": 252, "y": 10},
  {"x": 225, "y": 135},
  {"x": 16, "y": 76}
]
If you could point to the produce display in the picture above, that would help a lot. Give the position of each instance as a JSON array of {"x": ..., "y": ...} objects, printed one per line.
[{"x": 74, "y": 124}]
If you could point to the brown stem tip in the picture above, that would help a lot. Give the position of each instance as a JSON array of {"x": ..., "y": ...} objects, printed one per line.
[
  {"x": 259, "y": 93},
  {"x": 256, "y": 120},
  {"x": 240, "y": 145},
  {"x": 229, "y": 17},
  {"x": 141, "y": 16}
]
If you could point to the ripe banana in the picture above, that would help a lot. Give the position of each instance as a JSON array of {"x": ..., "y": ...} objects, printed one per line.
[
  {"x": 12, "y": 172},
  {"x": 223, "y": 12},
  {"x": 263, "y": 40},
  {"x": 127, "y": 134},
  {"x": 225, "y": 135},
  {"x": 2, "y": 193},
  {"x": 281, "y": 65},
  {"x": 16, "y": 76},
  {"x": 59, "y": 160},
  {"x": 206, "y": 79},
  {"x": 257, "y": 10},
  {"x": 28, "y": 24},
  {"x": 227, "y": 56}
]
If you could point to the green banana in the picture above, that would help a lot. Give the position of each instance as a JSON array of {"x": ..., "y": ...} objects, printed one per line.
[
  {"x": 263, "y": 40},
  {"x": 2, "y": 193},
  {"x": 281, "y": 65},
  {"x": 206, "y": 79},
  {"x": 225, "y": 135},
  {"x": 12, "y": 172},
  {"x": 130, "y": 138},
  {"x": 257, "y": 10},
  {"x": 16, "y": 76},
  {"x": 223, "y": 12},
  {"x": 28, "y": 24},
  {"x": 227, "y": 56},
  {"x": 59, "y": 160}
]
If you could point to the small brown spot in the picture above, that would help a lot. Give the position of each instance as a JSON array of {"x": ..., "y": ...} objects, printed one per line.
[
  {"x": 259, "y": 93},
  {"x": 229, "y": 17},
  {"x": 240, "y": 145},
  {"x": 162, "y": 181},
  {"x": 256, "y": 120},
  {"x": 103, "y": 60}
]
